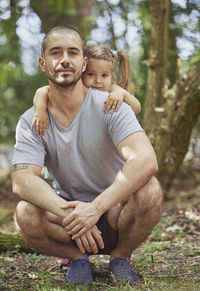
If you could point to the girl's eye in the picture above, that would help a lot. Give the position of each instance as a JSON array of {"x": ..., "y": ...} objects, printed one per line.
[
  {"x": 90, "y": 74},
  {"x": 105, "y": 75}
]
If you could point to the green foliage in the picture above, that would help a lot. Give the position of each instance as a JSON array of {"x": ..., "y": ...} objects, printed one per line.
[
  {"x": 63, "y": 7},
  {"x": 17, "y": 88}
]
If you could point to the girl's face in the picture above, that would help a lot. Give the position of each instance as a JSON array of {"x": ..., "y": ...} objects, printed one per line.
[{"x": 98, "y": 74}]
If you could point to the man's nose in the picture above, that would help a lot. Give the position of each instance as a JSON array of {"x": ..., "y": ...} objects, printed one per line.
[{"x": 65, "y": 60}]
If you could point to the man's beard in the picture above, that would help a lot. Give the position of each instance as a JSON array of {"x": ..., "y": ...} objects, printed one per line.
[{"x": 65, "y": 83}]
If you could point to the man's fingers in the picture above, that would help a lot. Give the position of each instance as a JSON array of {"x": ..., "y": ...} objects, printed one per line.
[
  {"x": 86, "y": 244},
  {"x": 73, "y": 230},
  {"x": 67, "y": 220},
  {"x": 70, "y": 204},
  {"x": 97, "y": 235},
  {"x": 80, "y": 246},
  {"x": 79, "y": 233},
  {"x": 92, "y": 243}
]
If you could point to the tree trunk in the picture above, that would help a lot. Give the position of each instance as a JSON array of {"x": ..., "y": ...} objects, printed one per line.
[
  {"x": 111, "y": 27},
  {"x": 172, "y": 48},
  {"x": 10, "y": 241},
  {"x": 71, "y": 13},
  {"x": 157, "y": 62},
  {"x": 183, "y": 111},
  {"x": 169, "y": 114}
]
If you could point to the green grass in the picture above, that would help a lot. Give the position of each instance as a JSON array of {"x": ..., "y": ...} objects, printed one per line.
[
  {"x": 162, "y": 270},
  {"x": 168, "y": 260}
]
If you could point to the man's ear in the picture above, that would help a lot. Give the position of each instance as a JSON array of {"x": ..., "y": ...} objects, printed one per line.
[
  {"x": 42, "y": 64},
  {"x": 85, "y": 61}
]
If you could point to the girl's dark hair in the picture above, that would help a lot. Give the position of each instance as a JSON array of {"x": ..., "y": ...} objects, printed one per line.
[{"x": 101, "y": 52}]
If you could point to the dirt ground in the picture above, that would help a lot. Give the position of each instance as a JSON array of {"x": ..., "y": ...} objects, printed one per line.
[{"x": 168, "y": 260}]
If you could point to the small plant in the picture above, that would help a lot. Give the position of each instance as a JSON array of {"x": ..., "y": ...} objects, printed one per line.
[
  {"x": 36, "y": 257},
  {"x": 153, "y": 247}
]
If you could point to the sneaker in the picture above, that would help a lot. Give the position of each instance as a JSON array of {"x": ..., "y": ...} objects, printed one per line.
[
  {"x": 80, "y": 271},
  {"x": 120, "y": 269}
]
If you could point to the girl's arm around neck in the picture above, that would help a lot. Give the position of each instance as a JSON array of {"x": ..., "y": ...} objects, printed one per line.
[
  {"x": 127, "y": 97},
  {"x": 41, "y": 98},
  {"x": 40, "y": 102}
]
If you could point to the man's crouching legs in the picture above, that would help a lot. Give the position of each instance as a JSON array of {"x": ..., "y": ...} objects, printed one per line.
[
  {"x": 136, "y": 218},
  {"x": 43, "y": 231}
]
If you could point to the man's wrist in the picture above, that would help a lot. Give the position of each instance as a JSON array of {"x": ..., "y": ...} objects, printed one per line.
[{"x": 99, "y": 207}]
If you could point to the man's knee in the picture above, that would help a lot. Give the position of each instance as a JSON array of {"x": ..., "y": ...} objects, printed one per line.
[
  {"x": 156, "y": 190},
  {"x": 149, "y": 197},
  {"x": 27, "y": 218}
]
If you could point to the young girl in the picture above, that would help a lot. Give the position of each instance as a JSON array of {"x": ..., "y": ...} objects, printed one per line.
[{"x": 98, "y": 75}]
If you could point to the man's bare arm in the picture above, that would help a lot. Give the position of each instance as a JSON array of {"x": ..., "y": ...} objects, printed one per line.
[
  {"x": 30, "y": 187},
  {"x": 18, "y": 167},
  {"x": 28, "y": 184},
  {"x": 139, "y": 168}
]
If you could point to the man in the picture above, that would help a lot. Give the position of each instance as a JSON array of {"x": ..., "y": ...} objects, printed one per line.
[{"x": 103, "y": 165}]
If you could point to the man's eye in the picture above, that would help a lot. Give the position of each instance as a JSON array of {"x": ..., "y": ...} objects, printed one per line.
[
  {"x": 55, "y": 53},
  {"x": 73, "y": 53}
]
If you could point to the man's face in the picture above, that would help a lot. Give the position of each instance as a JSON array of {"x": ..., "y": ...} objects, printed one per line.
[{"x": 63, "y": 62}]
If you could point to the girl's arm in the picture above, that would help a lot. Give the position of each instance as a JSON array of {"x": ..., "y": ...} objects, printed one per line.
[
  {"x": 117, "y": 96},
  {"x": 41, "y": 118}
]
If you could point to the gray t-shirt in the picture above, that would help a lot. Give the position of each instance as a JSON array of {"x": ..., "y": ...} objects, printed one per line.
[{"x": 83, "y": 158}]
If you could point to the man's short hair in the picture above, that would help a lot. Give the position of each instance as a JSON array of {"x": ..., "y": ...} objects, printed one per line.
[{"x": 64, "y": 29}]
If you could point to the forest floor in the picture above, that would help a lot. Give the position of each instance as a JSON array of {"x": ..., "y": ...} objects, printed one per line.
[{"x": 168, "y": 260}]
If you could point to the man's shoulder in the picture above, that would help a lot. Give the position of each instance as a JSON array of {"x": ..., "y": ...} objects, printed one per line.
[
  {"x": 97, "y": 96},
  {"x": 28, "y": 114}
]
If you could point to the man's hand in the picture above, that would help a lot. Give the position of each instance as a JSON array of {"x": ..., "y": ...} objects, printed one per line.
[
  {"x": 81, "y": 219},
  {"x": 88, "y": 241}
]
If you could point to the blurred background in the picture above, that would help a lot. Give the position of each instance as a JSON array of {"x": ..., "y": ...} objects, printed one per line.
[{"x": 162, "y": 40}]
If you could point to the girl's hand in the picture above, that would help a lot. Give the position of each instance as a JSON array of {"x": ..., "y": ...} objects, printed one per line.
[
  {"x": 40, "y": 121},
  {"x": 113, "y": 101}
]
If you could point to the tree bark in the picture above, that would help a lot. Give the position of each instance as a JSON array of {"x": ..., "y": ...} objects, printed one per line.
[
  {"x": 183, "y": 111},
  {"x": 111, "y": 27},
  {"x": 169, "y": 113},
  {"x": 172, "y": 67},
  {"x": 157, "y": 62},
  {"x": 56, "y": 13}
]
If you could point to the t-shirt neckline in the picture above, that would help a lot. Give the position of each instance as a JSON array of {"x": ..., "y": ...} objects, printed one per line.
[{"x": 63, "y": 128}]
